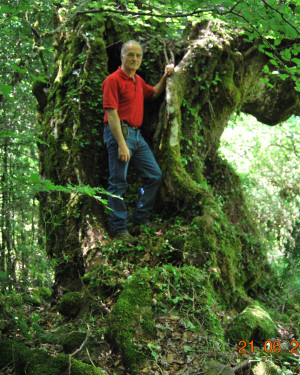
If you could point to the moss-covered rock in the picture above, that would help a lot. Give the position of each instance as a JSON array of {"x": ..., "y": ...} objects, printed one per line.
[
  {"x": 15, "y": 353},
  {"x": 131, "y": 319},
  {"x": 70, "y": 304},
  {"x": 62, "y": 363},
  {"x": 41, "y": 363},
  {"x": 253, "y": 323},
  {"x": 73, "y": 341}
]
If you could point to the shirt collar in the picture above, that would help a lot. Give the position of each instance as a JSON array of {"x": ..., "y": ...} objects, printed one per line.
[{"x": 124, "y": 74}]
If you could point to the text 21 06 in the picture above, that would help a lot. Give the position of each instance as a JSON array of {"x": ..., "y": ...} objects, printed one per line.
[{"x": 270, "y": 346}]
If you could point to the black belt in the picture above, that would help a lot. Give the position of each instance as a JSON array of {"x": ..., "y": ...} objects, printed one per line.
[{"x": 132, "y": 127}]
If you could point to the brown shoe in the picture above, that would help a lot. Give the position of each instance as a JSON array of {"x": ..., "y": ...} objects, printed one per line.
[{"x": 126, "y": 237}]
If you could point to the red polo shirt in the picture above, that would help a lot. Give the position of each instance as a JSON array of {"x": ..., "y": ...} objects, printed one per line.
[{"x": 121, "y": 92}]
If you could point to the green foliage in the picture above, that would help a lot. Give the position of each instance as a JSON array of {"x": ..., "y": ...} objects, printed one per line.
[
  {"x": 187, "y": 292},
  {"x": 35, "y": 184},
  {"x": 267, "y": 159},
  {"x": 270, "y": 23}
]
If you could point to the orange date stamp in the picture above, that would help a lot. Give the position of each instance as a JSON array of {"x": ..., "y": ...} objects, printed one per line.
[{"x": 270, "y": 347}]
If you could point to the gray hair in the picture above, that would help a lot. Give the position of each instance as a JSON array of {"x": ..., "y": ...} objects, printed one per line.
[{"x": 127, "y": 43}]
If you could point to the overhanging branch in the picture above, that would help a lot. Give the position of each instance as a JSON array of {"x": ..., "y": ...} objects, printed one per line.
[{"x": 281, "y": 14}]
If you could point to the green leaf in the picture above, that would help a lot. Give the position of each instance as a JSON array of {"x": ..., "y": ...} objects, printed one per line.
[
  {"x": 6, "y": 90},
  {"x": 187, "y": 349},
  {"x": 19, "y": 70},
  {"x": 277, "y": 42},
  {"x": 274, "y": 62},
  {"x": 6, "y": 9},
  {"x": 266, "y": 69},
  {"x": 296, "y": 60}
]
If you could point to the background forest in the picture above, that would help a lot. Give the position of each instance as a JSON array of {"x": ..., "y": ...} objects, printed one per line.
[{"x": 113, "y": 309}]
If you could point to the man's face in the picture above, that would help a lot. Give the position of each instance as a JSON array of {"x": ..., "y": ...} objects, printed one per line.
[{"x": 132, "y": 58}]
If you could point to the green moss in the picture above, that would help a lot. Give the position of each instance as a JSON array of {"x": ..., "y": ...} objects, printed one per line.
[
  {"x": 132, "y": 317},
  {"x": 14, "y": 353},
  {"x": 252, "y": 324},
  {"x": 176, "y": 240},
  {"x": 73, "y": 341},
  {"x": 70, "y": 304},
  {"x": 45, "y": 293},
  {"x": 41, "y": 363},
  {"x": 213, "y": 244},
  {"x": 78, "y": 368}
]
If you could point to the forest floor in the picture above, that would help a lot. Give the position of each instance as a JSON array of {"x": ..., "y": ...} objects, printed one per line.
[{"x": 178, "y": 348}]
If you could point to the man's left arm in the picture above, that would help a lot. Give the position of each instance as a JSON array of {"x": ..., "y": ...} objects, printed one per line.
[{"x": 158, "y": 89}]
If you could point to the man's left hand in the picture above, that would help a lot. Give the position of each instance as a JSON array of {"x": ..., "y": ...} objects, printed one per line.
[{"x": 169, "y": 69}]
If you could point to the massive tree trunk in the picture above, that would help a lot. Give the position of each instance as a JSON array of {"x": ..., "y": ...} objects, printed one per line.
[
  {"x": 216, "y": 74},
  {"x": 71, "y": 117}
]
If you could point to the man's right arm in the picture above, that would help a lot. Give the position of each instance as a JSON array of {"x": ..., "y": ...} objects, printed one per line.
[{"x": 115, "y": 127}]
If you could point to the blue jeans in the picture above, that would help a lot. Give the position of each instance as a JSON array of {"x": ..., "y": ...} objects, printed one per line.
[{"x": 143, "y": 161}]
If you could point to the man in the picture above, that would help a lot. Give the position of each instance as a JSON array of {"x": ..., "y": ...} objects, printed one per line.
[{"x": 124, "y": 92}]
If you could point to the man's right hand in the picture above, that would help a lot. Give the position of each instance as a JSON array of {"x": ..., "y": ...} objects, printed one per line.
[
  {"x": 115, "y": 127},
  {"x": 124, "y": 153}
]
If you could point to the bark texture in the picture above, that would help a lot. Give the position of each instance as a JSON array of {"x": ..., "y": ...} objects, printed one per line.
[
  {"x": 218, "y": 75},
  {"x": 72, "y": 153}
]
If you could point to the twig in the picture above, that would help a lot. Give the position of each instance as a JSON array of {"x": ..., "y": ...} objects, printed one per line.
[
  {"x": 165, "y": 52},
  {"x": 88, "y": 353},
  {"x": 79, "y": 349}
]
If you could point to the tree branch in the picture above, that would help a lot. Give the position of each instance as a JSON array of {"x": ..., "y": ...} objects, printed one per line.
[
  {"x": 147, "y": 14},
  {"x": 165, "y": 15},
  {"x": 281, "y": 63},
  {"x": 64, "y": 24},
  {"x": 281, "y": 14}
]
